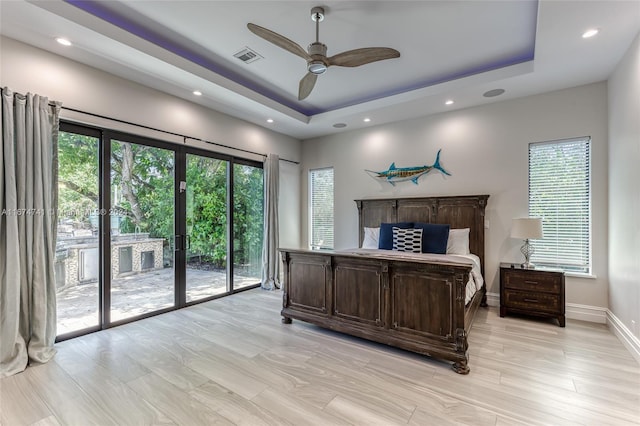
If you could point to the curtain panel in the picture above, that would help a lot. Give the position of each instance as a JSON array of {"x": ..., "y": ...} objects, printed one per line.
[
  {"x": 28, "y": 203},
  {"x": 270, "y": 257}
]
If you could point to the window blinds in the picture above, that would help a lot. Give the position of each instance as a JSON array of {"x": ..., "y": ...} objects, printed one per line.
[
  {"x": 321, "y": 204},
  {"x": 559, "y": 193}
]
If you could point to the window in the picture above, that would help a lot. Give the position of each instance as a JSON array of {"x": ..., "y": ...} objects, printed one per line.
[
  {"x": 560, "y": 193},
  {"x": 132, "y": 242},
  {"x": 321, "y": 206}
]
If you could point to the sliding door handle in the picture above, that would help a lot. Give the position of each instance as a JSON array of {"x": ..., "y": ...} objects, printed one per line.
[{"x": 179, "y": 243}]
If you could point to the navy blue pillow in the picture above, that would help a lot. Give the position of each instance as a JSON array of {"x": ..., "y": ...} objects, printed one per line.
[
  {"x": 385, "y": 241},
  {"x": 434, "y": 237}
]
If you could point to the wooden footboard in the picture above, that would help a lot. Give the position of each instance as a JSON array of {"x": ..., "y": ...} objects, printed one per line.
[{"x": 413, "y": 305}]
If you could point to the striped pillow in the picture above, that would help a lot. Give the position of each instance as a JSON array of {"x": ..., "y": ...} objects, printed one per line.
[{"x": 407, "y": 240}]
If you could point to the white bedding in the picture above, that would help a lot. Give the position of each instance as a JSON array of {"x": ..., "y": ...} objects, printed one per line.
[{"x": 474, "y": 283}]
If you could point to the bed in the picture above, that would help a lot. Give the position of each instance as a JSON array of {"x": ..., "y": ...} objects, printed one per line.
[{"x": 410, "y": 301}]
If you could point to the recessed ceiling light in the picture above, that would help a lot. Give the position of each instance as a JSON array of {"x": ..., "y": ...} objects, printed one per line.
[
  {"x": 366, "y": 120},
  {"x": 590, "y": 33},
  {"x": 63, "y": 41},
  {"x": 269, "y": 120},
  {"x": 449, "y": 102},
  {"x": 339, "y": 125},
  {"x": 197, "y": 93},
  {"x": 492, "y": 93}
]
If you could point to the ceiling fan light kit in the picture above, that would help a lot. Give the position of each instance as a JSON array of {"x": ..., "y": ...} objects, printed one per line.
[
  {"x": 317, "y": 67},
  {"x": 316, "y": 53}
]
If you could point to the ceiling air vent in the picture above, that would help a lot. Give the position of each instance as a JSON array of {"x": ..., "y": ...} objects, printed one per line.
[{"x": 248, "y": 55}]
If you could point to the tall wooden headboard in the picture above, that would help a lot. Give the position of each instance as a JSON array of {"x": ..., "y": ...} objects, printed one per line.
[{"x": 465, "y": 211}]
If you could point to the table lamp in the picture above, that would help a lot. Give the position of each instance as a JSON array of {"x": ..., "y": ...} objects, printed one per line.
[{"x": 527, "y": 228}]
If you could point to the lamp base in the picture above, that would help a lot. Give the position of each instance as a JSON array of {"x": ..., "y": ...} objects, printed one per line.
[
  {"x": 527, "y": 250},
  {"x": 527, "y": 265}
]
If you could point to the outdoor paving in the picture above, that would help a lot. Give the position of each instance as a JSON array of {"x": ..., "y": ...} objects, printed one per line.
[{"x": 137, "y": 294}]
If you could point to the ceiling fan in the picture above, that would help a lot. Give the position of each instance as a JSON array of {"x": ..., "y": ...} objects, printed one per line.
[{"x": 316, "y": 57}]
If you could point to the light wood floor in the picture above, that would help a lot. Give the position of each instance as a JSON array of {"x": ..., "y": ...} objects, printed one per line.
[{"x": 231, "y": 361}]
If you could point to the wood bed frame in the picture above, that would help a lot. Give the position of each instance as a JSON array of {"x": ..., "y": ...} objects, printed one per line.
[{"x": 414, "y": 305}]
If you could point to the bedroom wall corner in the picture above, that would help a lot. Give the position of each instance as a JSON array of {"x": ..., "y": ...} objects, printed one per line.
[{"x": 624, "y": 195}]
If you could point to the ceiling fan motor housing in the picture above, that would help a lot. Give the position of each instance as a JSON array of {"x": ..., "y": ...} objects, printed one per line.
[{"x": 318, "y": 63}]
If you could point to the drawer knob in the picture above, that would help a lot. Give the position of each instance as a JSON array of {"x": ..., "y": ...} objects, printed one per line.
[
  {"x": 531, "y": 282},
  {"x": 531, "y": 300}
]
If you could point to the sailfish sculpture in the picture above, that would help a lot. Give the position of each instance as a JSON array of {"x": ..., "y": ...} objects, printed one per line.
[{"x": 401, "y": 174}]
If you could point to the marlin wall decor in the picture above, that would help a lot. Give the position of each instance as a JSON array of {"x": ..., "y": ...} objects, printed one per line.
[{"x": 400, "y": 174}]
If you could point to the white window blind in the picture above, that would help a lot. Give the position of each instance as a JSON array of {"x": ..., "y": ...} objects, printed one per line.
[
  {"x": 321, "y": 206},
  {"x": 560, "y": 193}
]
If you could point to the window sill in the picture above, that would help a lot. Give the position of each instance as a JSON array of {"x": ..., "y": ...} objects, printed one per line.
[{"x": 580, "y": 275}]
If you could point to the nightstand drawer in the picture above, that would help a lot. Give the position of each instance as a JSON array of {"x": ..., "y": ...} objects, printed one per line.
[
  {"x": 529, "y": 300},
  {"x": 533, "y": 281}
]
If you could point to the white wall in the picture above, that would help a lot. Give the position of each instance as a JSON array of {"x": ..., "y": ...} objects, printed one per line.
[
  {"x": 28, "y": 69},
  {"x": 486, "y": 150},
  {"x": 624, "y": 193}
]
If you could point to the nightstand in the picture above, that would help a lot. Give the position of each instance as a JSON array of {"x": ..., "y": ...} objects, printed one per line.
[{"x": 537, "y": 292}]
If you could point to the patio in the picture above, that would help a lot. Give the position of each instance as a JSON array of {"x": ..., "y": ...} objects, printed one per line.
[{"x": 133, "y": 295}]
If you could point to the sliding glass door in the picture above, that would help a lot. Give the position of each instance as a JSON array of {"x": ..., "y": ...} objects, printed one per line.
[
  {"x": 146, "y": 226},
  {"x": 206, "y": 191},
  {"x": 142, "y": 226},
  {"x": 248, "y": 223},
  {"x": 77, "y": 250}
]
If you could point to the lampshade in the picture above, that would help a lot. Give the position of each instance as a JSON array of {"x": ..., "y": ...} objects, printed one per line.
[{"x": 526, "y": 228}]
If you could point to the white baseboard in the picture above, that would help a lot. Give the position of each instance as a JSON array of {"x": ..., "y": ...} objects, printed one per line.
[
  {"x": 593, "y": 314},
  {"x": 493, "y": 299},
  {"x": 586, "y": 313},
  {"x": 631, "y": 342}
]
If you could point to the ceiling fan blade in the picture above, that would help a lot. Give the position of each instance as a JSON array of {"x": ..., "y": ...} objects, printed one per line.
[
  {"x": 278, "y": 40},
  {"x": 306, "y": 85},
  {"x": 357, "y": 57}
]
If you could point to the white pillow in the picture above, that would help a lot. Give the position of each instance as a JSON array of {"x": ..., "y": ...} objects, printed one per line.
[
  {"x": 407, "y": 239},
  {"x": 458, "y": 242},
  {"x": 371, "y": 238}
]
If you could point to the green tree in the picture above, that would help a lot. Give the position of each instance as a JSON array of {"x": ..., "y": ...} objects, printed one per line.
[
  {"x": 248, "y": 214},
  {"x": 207, "y": 208},
  {"x": 77, "y": 177},
  {"x": 142, "y": 188},
  {"x": 142, "y": 194}
]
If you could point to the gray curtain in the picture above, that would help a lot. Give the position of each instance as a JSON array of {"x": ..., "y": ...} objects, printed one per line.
[
  {"x": 28, "y": 202},
  {"x": 270, "y": 255}
]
